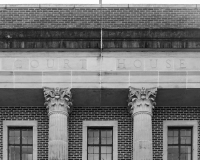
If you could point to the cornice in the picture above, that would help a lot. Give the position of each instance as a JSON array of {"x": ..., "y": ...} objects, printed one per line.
[{"x": 99, "y": 6}]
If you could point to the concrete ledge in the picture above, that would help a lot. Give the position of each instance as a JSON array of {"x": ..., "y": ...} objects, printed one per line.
[{"x": 98, "y": 5}]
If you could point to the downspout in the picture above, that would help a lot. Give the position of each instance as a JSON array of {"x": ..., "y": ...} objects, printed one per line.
[
  {"x": 101, "y": 47},
  {"x": 100, "y": 2}
]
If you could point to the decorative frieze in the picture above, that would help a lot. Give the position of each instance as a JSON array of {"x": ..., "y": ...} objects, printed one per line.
[
  {"x": 58, "y": 102},
  {"x": 141, "y": 103}
]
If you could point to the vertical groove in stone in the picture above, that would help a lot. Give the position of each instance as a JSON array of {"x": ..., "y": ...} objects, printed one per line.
[
  {"x": 58, "y": 137},
  {"x": 142, "y": 137},
  {"x": 58, "y": 102}
]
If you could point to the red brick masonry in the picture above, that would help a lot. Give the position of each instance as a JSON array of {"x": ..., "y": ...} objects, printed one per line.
[{"x": 94, "y": 16}]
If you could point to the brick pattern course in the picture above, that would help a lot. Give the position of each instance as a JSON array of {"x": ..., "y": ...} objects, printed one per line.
[{"x": 133, "y": 17}]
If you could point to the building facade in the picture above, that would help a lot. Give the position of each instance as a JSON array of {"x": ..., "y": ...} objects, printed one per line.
[{"x": 99, "y": 82}]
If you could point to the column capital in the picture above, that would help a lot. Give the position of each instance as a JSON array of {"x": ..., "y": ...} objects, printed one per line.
[
  {"x": 58, "y": 100},
  {"x": 142, "y": 100}
]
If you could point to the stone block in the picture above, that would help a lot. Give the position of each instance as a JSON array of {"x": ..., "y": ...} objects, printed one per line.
[
  {"x": 108, "y": 64},
  {"x": 85, "y": 79},
  {"x": 43, "y": 64},
  {"x": 144, "y": 76},
  {"x": 115, "y": 85},
  {"x": 85, "y": 85},
  {"x": 193, "y": 79},
  {"x": 159, "y": 64},
  {"x": 136, "y": 64},
  {"x": 57, "y": 84},
  {"x": 6, "y": 77},
  {"x": 144, "y": 85},
  {"x": 146, "y": 79},
  {"x": 0, "y": 64},
  {"x": 186, "y": 64},
  {"x": 56, "y": 76},
  {"x": 26, "y": 77},
  {"x": 73, "y": 64},
  {"x": 172, "y": 79},
  {"x": 27, "y": 85},
  {"x": 193, "y": 85},
  {"x": 115, "y": 77},
  {"x": 6, "y": 85},
  {"x": 93, "y": 64},
  {"x": 15, "y": 64}
]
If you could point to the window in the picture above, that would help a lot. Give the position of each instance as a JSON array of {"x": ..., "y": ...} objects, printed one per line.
[
  {"x": 20, "y": 143},
  {"x": 179, "y": 143},
  {"x": 100, "y": 140},
  {"x": 180, "y": 140},
  {"x": 100, "y": 144},
  {"x": 19, "y": 140}
]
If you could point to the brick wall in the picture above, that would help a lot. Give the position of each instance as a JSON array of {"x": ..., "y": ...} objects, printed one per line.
[
  {"x": 75, "y": 127},
  {"x": 28, "y": 113},
  {"x": 171, "y": 113},
  {"x": 80, "y": 114},
  {"x": 101, "y": 113},
  {"x": 93, "y": 17}
]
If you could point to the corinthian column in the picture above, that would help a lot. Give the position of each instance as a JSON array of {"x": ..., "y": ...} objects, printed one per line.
[
  {"x": 141, "y": 104},
  {"x": 58, "y": 102}
]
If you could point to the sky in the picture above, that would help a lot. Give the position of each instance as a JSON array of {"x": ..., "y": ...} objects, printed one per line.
[{"x": 97, "y": 2}]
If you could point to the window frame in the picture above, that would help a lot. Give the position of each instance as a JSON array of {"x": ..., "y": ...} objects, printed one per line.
[
  {"x": 7, "y": 124},
  {"x": 100, "y": 124},
  {"x": 190, "y": 123},
  {"x": 100, "y": 144},
  {"x": 20, "y": 145}
]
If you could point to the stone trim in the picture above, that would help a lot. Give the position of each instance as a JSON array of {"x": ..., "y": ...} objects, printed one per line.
[
  {"x": 113, "y": 124},
  {"x": 99, "y": 5},
  {"x": 192, "y": 123},
  {"x": 7, "y": 124}
]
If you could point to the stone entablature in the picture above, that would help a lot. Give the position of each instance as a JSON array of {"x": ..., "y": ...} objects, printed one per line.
[{"x": 96, "y": 70}]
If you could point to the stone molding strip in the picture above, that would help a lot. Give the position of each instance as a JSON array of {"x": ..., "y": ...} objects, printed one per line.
[{"x": 98, "y": 5}]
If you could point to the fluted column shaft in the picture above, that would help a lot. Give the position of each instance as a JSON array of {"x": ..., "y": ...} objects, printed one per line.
[
  {"x": 58, "y": 135},
  {"x": 58, "y": 102},
  {"x": 142, "y": 134},
  {"x": 141, "y": 105}
]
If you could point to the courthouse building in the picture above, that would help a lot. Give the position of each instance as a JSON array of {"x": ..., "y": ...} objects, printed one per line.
[{"x": 99, "y": 82}]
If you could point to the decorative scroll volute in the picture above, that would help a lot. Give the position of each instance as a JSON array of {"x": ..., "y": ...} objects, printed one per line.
[
  {"x": 141, "y": 100},
  {"x": 58, "y": 100}
]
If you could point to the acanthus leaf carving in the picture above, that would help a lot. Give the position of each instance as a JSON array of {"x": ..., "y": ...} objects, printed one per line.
[
  {"x": 57, "y": 97},
  {"x": 138, "y": 97}
]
